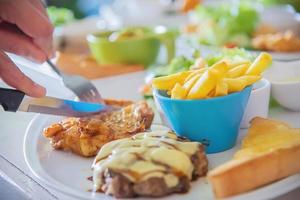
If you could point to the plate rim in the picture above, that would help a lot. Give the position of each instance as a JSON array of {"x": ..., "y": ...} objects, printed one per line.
[{"x": 261, "y": 193}]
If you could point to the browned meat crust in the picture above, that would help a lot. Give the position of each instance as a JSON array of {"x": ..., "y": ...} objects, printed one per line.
[
  {"x": 85, "y": 136},
  {"x": 282, "y": 42}
]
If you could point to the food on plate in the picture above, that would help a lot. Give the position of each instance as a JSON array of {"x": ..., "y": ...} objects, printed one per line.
[
  {"x": 152, "y": 164},
  {"x": 270, "y": 151},
  {"x": 222, "y": 78},
  {"x": 223, "y": 25},
  {"x": 132, "y": 45},
  {"x": 85, "y": 136},
  {"x": 285, "y": 42},
  {"x": 233, "y": 56},
  {"x": 220, "y": 26}
]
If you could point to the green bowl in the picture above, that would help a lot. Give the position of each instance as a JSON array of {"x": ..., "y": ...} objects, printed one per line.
[{"x": 141, "y": 50}]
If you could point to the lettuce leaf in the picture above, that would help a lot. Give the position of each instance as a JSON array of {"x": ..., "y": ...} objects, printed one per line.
[
  {"x": 60, "y": 16},
  {"x": 227, "y": 23}
]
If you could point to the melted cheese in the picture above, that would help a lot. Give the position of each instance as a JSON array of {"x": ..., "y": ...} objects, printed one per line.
[
  {"x": 146, "y": 155},
  {"x": 267, "y": 137}
]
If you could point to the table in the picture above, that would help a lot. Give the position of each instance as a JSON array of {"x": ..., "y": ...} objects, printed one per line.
[{"x": 16, "y": 180}]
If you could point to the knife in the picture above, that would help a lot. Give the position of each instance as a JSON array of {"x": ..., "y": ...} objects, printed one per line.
[{"x": 14, "y": 100}]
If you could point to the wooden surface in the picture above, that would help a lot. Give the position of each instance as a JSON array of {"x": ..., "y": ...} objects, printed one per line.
[{"x": 87, "y": 66}]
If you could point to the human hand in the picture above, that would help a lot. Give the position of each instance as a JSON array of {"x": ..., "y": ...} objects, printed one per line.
[{"x": 25, "y": 30}]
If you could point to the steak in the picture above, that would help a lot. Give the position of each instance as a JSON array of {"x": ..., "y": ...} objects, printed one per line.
[{"x": 116, "y": 182}]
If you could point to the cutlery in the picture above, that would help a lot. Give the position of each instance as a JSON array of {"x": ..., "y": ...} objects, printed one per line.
[
  {"x": 14, "y": 100},
  {"x": 81, "y": 87}
]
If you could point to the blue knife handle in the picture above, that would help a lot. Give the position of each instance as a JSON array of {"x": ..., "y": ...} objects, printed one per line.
[{"x": 10, "y": 99}]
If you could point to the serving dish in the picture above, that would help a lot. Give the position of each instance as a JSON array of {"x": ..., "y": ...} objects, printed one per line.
[
  {"x": 258, "y": 103},
  {"x": 285, "y": 84},
  {"x": 67, "y": 173},
  {"x": 196, "y": 119},
  {"x": 133, "y": 45}
]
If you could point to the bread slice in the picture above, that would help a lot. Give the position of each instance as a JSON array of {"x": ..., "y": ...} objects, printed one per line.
[{"x": 257, "y": 164}]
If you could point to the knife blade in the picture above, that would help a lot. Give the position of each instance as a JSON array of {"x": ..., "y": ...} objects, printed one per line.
[{"x": 14, "y": 100}]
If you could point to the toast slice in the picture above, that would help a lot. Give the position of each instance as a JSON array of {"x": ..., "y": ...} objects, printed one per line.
[{"x": 270, "y": 151}]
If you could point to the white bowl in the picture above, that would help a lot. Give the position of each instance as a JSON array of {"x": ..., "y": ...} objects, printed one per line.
[
  {"x": 162, "y": 116},
  {"x": 258, "y": 103},
  {"x": 285, "y": 80}
]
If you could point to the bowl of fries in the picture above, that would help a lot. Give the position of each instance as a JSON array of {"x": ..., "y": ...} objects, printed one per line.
[{"x": 207, "y": 104}]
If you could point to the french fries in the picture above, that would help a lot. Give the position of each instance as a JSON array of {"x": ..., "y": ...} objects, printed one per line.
[
  {"x": 221, "y": 89},
  {"x": 237, "y": 71},
  {"x": 194, "y": 73},
  {"x": 259, "y": 64},
  {"x": 168, "y": 82},
  {"x": 206, "y": 83},
  {"x": 222, "y": 78},
  {"x": 178, "y": 92}
]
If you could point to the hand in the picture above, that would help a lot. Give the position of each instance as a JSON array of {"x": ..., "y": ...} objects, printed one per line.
[{"x": 25, "y": 30}]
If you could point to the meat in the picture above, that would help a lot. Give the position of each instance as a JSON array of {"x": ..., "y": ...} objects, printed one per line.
[
  {"x": 142, "y": 166},
  {"x": 282, "y": 42},
  {"x": 121, "y": 187},
  {"x": 85, "y": 136}
]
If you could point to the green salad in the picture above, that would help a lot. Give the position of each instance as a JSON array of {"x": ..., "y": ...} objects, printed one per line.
[
  {"x": 228, "y": 24},
  {"x": 233, "y": 54},
  {"x": 177, "y": 64},
  {"x": 183, "y": 63},
  {"x": 60, "y": 16}
]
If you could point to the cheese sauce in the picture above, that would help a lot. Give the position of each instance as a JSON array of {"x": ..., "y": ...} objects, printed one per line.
[{"x": 146, "y": 155}]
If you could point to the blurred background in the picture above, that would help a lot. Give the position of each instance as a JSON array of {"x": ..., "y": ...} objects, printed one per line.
[{"x": 100, "y": 38}]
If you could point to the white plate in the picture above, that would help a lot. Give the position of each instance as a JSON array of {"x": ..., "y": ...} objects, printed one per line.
[{"x": 67, "y": 172}]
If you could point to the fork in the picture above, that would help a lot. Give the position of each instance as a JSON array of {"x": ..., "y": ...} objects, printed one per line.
[{"x": 81, "y": 87}]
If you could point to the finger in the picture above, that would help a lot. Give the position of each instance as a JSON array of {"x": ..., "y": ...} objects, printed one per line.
[
  {"x": 40, "y": 6},
  {"x": 14, "y": 41},
  {"x": 30, "y": 21},
  {"x": 11, "y": 75}
]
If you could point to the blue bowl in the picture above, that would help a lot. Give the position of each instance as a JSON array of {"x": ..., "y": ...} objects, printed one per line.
[{"x": 214, "y": 122}]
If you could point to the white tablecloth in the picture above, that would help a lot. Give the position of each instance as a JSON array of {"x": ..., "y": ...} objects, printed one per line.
[{"x": 13, "y": 127}]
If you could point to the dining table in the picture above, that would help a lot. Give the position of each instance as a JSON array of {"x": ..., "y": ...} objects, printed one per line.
[{"x": 16, "y": 179}]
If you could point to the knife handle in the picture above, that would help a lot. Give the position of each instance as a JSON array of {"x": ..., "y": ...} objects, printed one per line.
[{"x": 10, "y": 99}]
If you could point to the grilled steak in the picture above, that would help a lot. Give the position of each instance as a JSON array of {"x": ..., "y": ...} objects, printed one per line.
[
  {"x": 151, "y": 164},
  {"x": 86, "y": 135}
]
